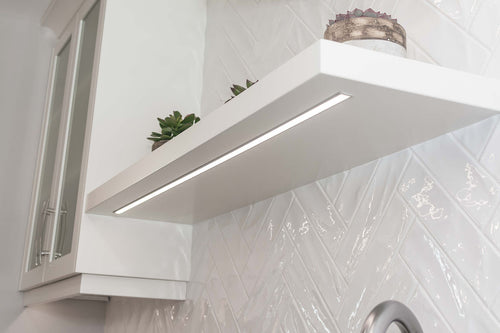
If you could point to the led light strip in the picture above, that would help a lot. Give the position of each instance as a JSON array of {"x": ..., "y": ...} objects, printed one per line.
[{"x": 257, "y": 141}]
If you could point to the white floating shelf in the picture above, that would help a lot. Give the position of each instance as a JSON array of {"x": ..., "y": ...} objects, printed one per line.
[{"x": 395, "y": 103}]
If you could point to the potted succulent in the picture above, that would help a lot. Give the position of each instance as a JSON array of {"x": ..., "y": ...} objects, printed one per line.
[
  {"x": 369, "y": 29},
  {"x": 237, "y": 89},
  {"x": 172, "y": 126}
]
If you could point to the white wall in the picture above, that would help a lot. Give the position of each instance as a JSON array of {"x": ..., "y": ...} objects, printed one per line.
[
  {"x": 420, "y": 226},
  {"x": 24, "y": 62}
]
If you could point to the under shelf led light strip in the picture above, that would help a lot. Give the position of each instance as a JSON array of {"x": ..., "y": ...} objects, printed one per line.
[{"x": 338, "y": 98}]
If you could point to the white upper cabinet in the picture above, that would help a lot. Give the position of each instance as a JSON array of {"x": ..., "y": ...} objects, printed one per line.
[
  {"x": 112, "y": 70},
  {"x": 57, "y": 188}
]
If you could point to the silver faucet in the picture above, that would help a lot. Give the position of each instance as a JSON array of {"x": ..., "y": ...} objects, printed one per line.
[{"x": 388, "y": 312}]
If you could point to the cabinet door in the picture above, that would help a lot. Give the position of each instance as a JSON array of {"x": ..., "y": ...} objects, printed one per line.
[
  {"x": 70, "y": 198},
  {"x": 43, "y": 205}
]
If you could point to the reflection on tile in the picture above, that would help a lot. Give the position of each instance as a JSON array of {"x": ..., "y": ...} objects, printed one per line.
[
  {"x": 220, "y": 303},
  {"x": 237, "y": 246},
  {"x": 308, "y": 298},
  {"x": 323, "y": 271},
  {"x": 332, "y": 185},
  {"x": 472, "y": 188},
  {"x": 254, "y": 222},
  {"x": 492, "y": 229},
  {"x": 353, "y": 190},
  {"x": 466, "y": 246},
  {"x": 380, "y": 268},
  {"x": 322, "y": 215},
  {"x": 370, "y": 211},
  {"x": 265, "y": 240}
]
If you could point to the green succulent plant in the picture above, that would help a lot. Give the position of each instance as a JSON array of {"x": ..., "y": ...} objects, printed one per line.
[
  {"x": 173, "y": 125},
  {"x": 237, "y": 89}
]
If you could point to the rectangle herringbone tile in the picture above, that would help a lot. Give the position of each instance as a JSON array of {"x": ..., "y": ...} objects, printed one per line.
[{"x": 421, "y": 226}]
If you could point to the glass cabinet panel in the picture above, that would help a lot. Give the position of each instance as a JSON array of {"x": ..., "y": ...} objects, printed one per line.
[
  {"x": 76, "y": 136},
  {"x": 44, "y": 207}
]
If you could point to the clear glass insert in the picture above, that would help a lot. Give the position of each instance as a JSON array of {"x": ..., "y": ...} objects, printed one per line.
[
  {"x": 44, "y": 205},
  {"x": 76, "y": 137}
]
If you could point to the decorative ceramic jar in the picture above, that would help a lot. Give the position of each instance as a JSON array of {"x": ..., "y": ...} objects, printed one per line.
[{"x": 368, "y": 29}]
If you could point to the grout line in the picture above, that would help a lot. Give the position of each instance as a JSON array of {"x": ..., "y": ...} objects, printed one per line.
[
  {"x": 488, "y": 139},
  {"x": 294, "y": 300},
  {"x": 334, "y": 200},
  {"x": 476, "y": 160},
  {"x": 299, "y": 19},
  {"x": 370, "y": 181},
  {"x": 456, "y": 24},
  {"x": 239, "y": 223},
  {"x": 308, "y": 273},
  {"x": 423, "y": 50},
  {"x": 475, "y": 7},
  {"x": 264, "y": 217},
  {"x": 241, "y": 241},
  {"x": 243, "y": 23},
  {"x": 265, "y": 264},
  {"x": 212, "y": 310},
  {"x": 224, "y": 244},
  {"x": 421, "y": 286},
  {"x": 358, "y": 205},
  {"x": 433, "y": 305},
  {"x": 383, "y": 210},
  {"x": 331, "y": 205},
  {"x": 476, "y": 156},
  {"x": 238, "y": 55},
  {"x": 214, "y": 271},
  {"x": 322, "y": 244},
  {"x": 197, "y": 300},
  {"x": 405, "y": 228},
  {"x": 225, "y": 71},
  {"x": 461, "y": 275},
  {"x": 289, "y": 49}
]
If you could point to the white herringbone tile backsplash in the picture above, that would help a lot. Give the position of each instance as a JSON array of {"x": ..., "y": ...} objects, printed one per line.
[{"x": 421, "y": 226}]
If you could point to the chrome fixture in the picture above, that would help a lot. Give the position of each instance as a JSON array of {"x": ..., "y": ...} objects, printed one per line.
[{"x": 388, "y": 312}]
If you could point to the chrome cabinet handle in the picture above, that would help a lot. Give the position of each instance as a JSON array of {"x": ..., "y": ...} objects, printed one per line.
[
  {"x": 61, "y": 231},
  {"x": 40, "y": 234},
  {"x": 388, "y": 312},
  {"x": 40, "y": 246}
]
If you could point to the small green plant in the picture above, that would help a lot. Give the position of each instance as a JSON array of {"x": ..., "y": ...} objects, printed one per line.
[
  {"x": 173, "y": 125},
  {"x": 237, "y": 89}
]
